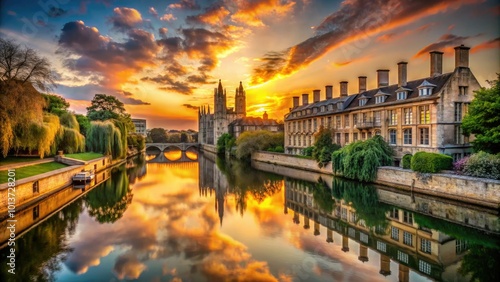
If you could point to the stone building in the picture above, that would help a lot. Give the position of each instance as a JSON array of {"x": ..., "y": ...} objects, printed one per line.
[
  {"x": 418, "y": 115},
  {"x": 241, "y": 125},
  {"x": 140, "y": 126}
]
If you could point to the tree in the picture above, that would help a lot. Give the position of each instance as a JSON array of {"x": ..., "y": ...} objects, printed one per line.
[
  {"x": 105, "y": 107},
  {"x": 55, "y": 104},
  {"x": 323, "y": 146},
  {"x": 222, "y": 143},
  {"x": 84, "y": 123},
  {"x": 158, "y": 135},
  {"x": 483, "y": 119},
  {"x": 260, "y": 140}
]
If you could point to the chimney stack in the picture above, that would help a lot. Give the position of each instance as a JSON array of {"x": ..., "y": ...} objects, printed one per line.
[
  {"x": 295, "y": 101},
  {"x": 402, "y": 73},
  {"x": 436, "y": 63},
  {"x": 305, "y": 99},
  {"x": 362, "y": 83},
  {"x": 316, "y": 95},
  {"x": 329, "y": 91},
  {"x": 461, "y": 56},
  {"x": 343, "y": 88},
  {"x": 382, "y": 78}
]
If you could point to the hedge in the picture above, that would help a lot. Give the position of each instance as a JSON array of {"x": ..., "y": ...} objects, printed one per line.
[
  {"x": 407, "y": 161},
  {"x": 430, "y": 162}
]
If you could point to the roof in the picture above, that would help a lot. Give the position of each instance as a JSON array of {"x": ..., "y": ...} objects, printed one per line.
[
  {"x": 253, "y": 121},
  {"x": 351, "y": 101}
]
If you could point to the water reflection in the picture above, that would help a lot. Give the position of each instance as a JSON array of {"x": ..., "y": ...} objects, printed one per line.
[{"x": 221, "y": 220}]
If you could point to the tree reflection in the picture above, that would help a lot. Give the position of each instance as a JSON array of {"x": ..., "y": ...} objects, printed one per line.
[
  {"x": 107, "y": 202},
  {"x": 322, "y": 195},
  {"x": 364, "y": 199},
  {"x": 481, "y": 263},
  {"x": 136, "y": 168},
  {"x": 50, "y": 240}
]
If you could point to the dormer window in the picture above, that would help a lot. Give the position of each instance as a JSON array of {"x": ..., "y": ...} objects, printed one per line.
[
  {"x": 425, "y": 89},
  {"x": 402, "y": 95},
  {"x": 363, "y": 101},
  {"x": 330, "y": 107},
  {"x": 322, "y": 109},
  {"x": 379, "y": 99},
  {"x": 339, "y": 105},
  {"x": 315, "y": 110}
]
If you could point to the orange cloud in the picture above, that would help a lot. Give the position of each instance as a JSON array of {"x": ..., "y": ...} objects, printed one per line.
[
  {"x": 213, "y": 15},
  {"x": 490, "y": 44},
  {"x": 252, "y": 12}
]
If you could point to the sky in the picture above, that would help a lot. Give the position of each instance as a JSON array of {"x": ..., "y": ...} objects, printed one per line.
[{"x": 163, "y": 59}]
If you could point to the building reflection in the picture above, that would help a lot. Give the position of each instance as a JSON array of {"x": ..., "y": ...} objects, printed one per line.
[{"x": 399, "y": 239}]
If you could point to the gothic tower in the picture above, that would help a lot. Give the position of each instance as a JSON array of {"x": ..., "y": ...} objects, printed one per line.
[
  {"x": 240, "y": 102},
  {"x": 220, "y": 112}
]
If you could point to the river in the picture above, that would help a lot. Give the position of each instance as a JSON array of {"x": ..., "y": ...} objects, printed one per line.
[{"x": 222, "y": 220}]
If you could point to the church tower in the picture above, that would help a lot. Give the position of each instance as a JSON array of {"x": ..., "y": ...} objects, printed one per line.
[
  {"x": 220, "y": 112},
  {"x": 240, "y": 102}
]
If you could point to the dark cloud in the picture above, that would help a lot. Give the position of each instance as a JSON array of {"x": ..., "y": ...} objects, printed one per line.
[
  {"x": 176, "y": 69},
  {"x": 185, "y": 4},
  {"x": 355, "y": 19},
  {"x": 446, "y": 40},
  {"x": 55, "y": 12},
  {"x": 171, "y": 84},
  {"x": 189, "y": 106},
  {"x": 125, "y": 19},
  {"x": 200, "y": 79},
  {"x": 162, "y": 31}
]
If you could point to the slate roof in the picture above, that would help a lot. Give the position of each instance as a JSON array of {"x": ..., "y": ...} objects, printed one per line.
[
  {"x": 253, "y": 121},
  {"x": 351, "y": 102}
]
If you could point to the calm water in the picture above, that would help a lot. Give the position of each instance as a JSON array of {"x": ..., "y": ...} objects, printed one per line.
[{"x": 215, "y": 220}]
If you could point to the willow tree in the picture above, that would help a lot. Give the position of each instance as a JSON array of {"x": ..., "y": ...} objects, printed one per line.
[{"x": 106, "y": 138}]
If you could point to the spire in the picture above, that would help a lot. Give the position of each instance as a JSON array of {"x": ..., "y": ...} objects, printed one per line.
[
  {"x": 241, "y": 88},
  {"x": 219, "y": 87}
]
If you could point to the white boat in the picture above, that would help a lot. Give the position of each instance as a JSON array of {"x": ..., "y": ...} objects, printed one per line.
[{"x": 84, "y": 176}]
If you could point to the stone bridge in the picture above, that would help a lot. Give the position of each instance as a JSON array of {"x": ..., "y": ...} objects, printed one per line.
[{"x": 162, "y": 146}]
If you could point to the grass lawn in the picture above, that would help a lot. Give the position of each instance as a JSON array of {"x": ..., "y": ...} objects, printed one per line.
[
  {"x": 31, "y": 170},
  {"x": 14, "y": 160},
  {"x": 84, "y": 156}
]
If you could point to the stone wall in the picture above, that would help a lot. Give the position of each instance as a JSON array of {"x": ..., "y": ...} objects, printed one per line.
[
  {"x": 209, "y": 148},
  {"x": 480, "y": 191}
]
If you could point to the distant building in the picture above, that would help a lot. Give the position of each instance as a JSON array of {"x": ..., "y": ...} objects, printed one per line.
[
  {"x": 241, "y": 125},
  {"x": 140, "y": 126},
  {"x": 419, "y": 115}
]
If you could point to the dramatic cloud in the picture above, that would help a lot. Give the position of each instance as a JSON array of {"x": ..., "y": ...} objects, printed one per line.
[
  {"x": 185, "y": 4},
  {"x": 446, "y": 41},
  {"x": 152, "y": 11},
  {"x": 125, "y": 18},
  {"x": 252, "y": 12},
  {"x": 490, "y": 44},
  {"x": 127, "y": 266},
  {"x": 356, "y": 19},
  {"x": 392, "y": 36},
  {"x": 189, "y": 106},
  {"x": 172, "y": 84},
  {"x": 213, "y": 15},
  {"x": 163, "y": 32}
]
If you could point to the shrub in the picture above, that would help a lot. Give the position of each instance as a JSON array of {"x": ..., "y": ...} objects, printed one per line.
[
  {"x": 459, "y": 165},
  {"x": 222, "y": 143},
  {"x": 308, "y": 151},
  {"x": 430, "y": 162},
  {"x": 261, "y": 140},
  {"x": 484, "y": 165},
  {"x": 407, "y": 161}
]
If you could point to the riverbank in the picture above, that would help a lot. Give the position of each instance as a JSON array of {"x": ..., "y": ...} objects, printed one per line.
[{"x": 472, "y": 190}]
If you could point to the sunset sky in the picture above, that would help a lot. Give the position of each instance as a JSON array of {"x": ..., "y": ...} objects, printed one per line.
[{"x": 163, "y": 58}]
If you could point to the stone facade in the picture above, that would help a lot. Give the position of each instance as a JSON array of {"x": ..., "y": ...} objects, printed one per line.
[
  {"x": 241, "y": 125},
  {"x": 418, "y": 115}
]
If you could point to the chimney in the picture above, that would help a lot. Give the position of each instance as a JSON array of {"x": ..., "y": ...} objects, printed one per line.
[
  {"x": 461, "y": 56},
  {"x": 382, "y": 78},
  {"x": 436, "y": 63},
  {"x": 328, "y": 90},
  {"x": 362, "y": 83},
  {"x": 305, "y": 99},
  {"x": 402, "y": 73},
  {"x": 343, "y": 88},
  {"x": 316, "y": 95},
  {"x": 295, "y": 101}
]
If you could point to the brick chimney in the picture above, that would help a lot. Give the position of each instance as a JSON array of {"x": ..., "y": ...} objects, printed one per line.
[
  {"x": 362, "y": 83},
  {"x": 382, "y": 78},
  {"x": 462, "y": 56},
  {"x": 329, "y": 91},
  {"x": 436, "y": 63},
  {"x": 296, "y": 100},
  {"x": 343, "y": 88},
  {"x": 316, "y": 95},
  {"x": 402, "y": 73},
  {"x": 305, "y": 99}
]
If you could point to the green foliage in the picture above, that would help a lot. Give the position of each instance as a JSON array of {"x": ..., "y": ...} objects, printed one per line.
[
  {"x": 252, "y": 141},
  {"x": 137, "y": 141},
  {"x": 360, "y": 160},
  {"x": 484, "y": 165},
  {"x": 158, "y": 135},
  {"x": 222, "y": 142},
  {"x": 483, "y": 119},
  {"x": 31, "y": 170},
  {"x": 323, "y": 146},
  {"x": 430, "y": 162},
  {"x": 407, "y": 161},
  {"x": 277, "y": 149},
  {"x": 308, "y": 151},
  {"x": 40, "y": 136},
  {"x": 69, "y": 120},
  {"x": 84, "y": 123},
  {"x": 72, "y": 141},
  {"x": 55, "y": 104},
  {"x": 106, "y": 138},
  {"x": 481, "y": 263},
  {"x": 105, "y": 107},
  {"x": 322, "y": 196}
]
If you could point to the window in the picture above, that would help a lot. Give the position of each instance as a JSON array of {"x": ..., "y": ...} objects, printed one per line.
[
  {"x": 407, "y": 217},
  {"x": 425, "y": 245},
  {"x": 463, "y": 90},
  {"x": 329, "y": 122},
  {"x": 393, "y": 117},
  {"x": 339, "y": 105},
  {"x": 362, "y": 101},
  {"x": 337, "y": 138},
  {"x": 355, "y": 119},
  {"x": 344, "y": 214},
  {"x": 355, "y": 137},
  {"x": 394, "y": 233},
  {"x": 363, "y": 135},
  {"x": 460, "y": 138},
  {"x": 338, "y": 122},
  {"x": 425, "y": 115},
  {"x": 425, "y": 91},
  {"x": 351, "y": 232},
  {"x": 381, "y": 246},
  {"x": 407, "y": 140},
  {"x": 394, "y": 213},
  {"x": 424, "y": 136},
  {"x": 315, "y": 123},
  {"x": 377, "y": 132},
  {"x": 322, "y": 109},
  {"x": 424, "y": 267},
  {"x": 376, "y": 117},
  {"x": 458, "y": 112},
  {"x": 402, "y": 95},
  {"x": 365, "y": 117},
  {"x": 346, "y": 138},
  {"x": 460, "y": 246},
  {"x": 402, "y": 257},
  {"x": 369, "y": 134},
  {"x": 36, "y": 188},
  {"x": 408, "y": 112},
  {"x": 352, "y": 217},
  {"x": 392, "y": 136},
  {"x": 346, "y": 120},
  {"x": 363, "y": 237},
  {"x": 407, "y": 238},
  {"x": 379, "y": 99},
  {"x": 36, "y": 212}
]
